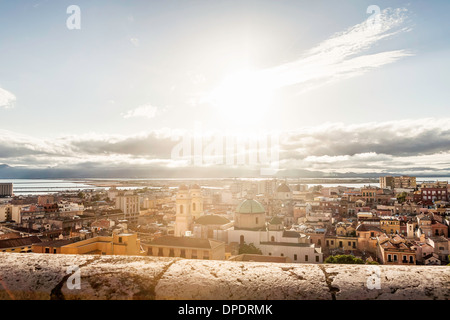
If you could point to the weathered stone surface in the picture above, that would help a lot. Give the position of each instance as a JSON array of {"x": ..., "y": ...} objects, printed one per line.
[
  {"x": 33, "y": 276},
  {"x": 350, "y": 282},
  {"x": 44, "y": 276},
  {"x": 222, "y": 280}
]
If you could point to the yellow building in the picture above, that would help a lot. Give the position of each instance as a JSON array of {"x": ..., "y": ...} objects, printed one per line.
[
  {"x": 395, "y": 249},
  {"x": 119, "y": 244},
  {"x": 186, "y": 247},
  {"x": 367, "y": 237},
  {"x": 390, "y": 225},
  {"x": 341, "y": 242},
  {"x": 19, "y": 244}
]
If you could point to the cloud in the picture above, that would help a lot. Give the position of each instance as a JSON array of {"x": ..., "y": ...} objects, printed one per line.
[
  {"x": 135, "y": 42},
  {"x": 343, "y": 55},
  {"x": 146, "y": 111},
  {"x": 417, "y": 146},
  {"x": 7, "y": 99}
]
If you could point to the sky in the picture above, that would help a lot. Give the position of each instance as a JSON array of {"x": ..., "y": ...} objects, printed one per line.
[{"x": 332, "y": 87}]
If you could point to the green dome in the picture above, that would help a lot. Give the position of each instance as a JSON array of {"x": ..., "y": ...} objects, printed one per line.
[{"x": 250, "y": 206}]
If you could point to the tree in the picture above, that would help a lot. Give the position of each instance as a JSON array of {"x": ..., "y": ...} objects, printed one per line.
[
  {"x": 248, "y": 248},
  {"x": 81, "y": 195},
  {"x": 372, "y": 262},
  {"x": 401, "y": 197},
  {"x": 344, "y": 259}
]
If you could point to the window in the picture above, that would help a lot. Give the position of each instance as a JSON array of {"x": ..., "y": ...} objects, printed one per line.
[
  {"x": 183, "y": 253},
  {"x": 295, "y": 257},
  {"x": 241, "y": 239},
  {"x": 47, "y": 250},
  {"x": 120, "y": 239},
  {"x": 194, "y": 254},
  {"x": 395, "y": 257},
  {"x": 54, "y": 250},
  {"x": 149, "y": 251},
  {"x": 411, "y": 259},
  {"x": 389, "y": 258},
  {"x": 282, "y": 254},
  {"x": 317, "y": 258},
  {"x": 256, "y": 220},
  {"x": 160, "y": 252},
  {"x": 171, "y": 253},
  {"x": 205, "y": 255},
  {"x": 306, "y": 257},
  {"x": 272, "y": 239},
  {"x": 340, "y": 244}
]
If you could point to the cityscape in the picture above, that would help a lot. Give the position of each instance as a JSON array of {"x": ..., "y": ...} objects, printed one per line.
[{"x": 224, "y": 151}]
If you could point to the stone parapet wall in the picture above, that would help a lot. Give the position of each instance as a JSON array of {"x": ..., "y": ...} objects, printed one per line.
[{"x": 48, "y": 276}]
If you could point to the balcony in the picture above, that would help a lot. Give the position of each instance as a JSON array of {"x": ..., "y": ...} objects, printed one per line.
[{"x": 44, "y": 277}]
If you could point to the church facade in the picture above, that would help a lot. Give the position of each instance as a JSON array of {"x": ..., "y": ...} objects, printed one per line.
[{"x": 271, "y": 238}]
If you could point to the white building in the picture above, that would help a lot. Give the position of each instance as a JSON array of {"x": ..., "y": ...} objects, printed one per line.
[
  {"x": 130, "y": 206},
  {"x": 189, "y": 207},
  {"x": 271, "y": 238},
  {"x": 10, "y": 213}
]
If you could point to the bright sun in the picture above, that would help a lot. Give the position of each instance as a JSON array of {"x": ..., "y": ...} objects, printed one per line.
[{"x": 243, "y": 97}]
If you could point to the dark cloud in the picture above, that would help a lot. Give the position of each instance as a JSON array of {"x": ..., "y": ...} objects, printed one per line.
[{"x": 399, "y": 146}]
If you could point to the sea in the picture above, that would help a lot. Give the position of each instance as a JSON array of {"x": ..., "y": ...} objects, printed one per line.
[{"x": 24, "y": 187}]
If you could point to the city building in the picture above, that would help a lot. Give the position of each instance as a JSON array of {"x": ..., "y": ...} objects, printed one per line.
[
  {"x": 392, "y": 183},
  {"x": 20, "y": 245},
  {"x": 10, "y": 213},
  {"x": 130, "y": 206},
  {"x": 186, "y": 247},
  {"x": 395, "y": 249},
  {"x": 212, "y": 227},
  {"x": 6, "y": 190},
  {"x": 118, "y": 244},
  {"x": 271, "y": 238},
  {"x": 189, "y": 207},
  {"x": 390, "y": 225}
]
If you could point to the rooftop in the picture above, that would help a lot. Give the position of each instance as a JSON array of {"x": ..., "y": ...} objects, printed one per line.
[{"x": 250, "y": 206}]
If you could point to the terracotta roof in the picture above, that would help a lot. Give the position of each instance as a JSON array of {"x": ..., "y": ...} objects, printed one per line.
[
  {"x": 283, "y": 188},
  {"x": 182, "y": 242},
  {"x": 291, "y": 234},
  {"x": 276, "y": 220},
  {"x": 367, "y": 227},
  {"x": 57, "y": 243},
  {"x": 212, "y": 220},
  {"x": 20, "y": 242}
]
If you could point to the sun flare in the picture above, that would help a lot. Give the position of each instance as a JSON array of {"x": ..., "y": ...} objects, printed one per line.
[{"x": 243, "y": 97}]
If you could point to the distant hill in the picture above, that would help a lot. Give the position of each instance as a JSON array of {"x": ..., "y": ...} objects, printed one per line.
[{"x": 9, "y": 172}]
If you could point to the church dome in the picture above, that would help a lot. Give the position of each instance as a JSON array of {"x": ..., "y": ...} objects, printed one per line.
[
  {"x": 283, "y": 188},
  {"x": 250, "y": 206}
]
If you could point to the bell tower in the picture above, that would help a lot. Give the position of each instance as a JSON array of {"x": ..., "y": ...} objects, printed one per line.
[
  {"x": 196, "y": 202},
  {"x": 183, "y": 218}
]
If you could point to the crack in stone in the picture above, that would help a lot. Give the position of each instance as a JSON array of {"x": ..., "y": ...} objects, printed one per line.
[
  {"x": 329, "y": 281},
  {"x": 152, "y": 293},
  {"x": 56, "y": 293}
]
